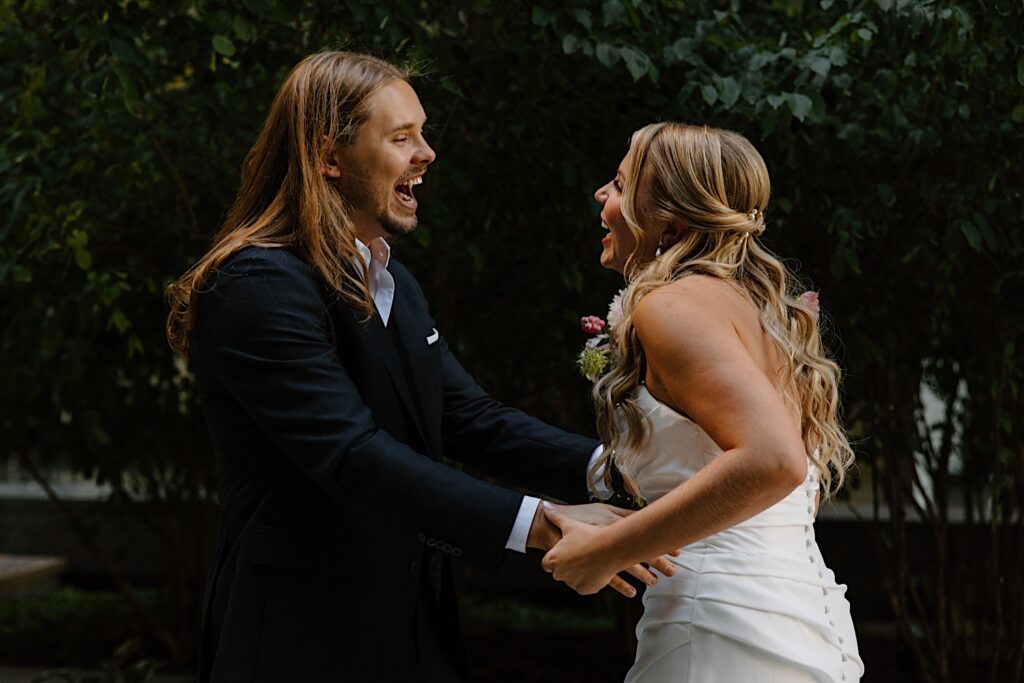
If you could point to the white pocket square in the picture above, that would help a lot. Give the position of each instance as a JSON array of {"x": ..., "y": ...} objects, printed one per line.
[{"x": 433, "y": 337}]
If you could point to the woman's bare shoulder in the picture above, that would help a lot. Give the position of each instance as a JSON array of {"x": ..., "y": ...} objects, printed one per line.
[{"x": 694, "y": 298}]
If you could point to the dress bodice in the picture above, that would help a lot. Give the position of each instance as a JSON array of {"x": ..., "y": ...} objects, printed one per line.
[{"x": 677, "y": 448}]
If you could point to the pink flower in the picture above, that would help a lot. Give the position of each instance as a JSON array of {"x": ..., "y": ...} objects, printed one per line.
[
  {"x": 591, "y": 324},
  {"x": 810, "y": 300}
]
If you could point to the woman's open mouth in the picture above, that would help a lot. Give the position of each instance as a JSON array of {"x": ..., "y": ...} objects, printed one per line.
[{"x": 404, "y": 192}]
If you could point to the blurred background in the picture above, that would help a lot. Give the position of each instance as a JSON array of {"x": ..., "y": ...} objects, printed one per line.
[{"x": 894, "y": 133}]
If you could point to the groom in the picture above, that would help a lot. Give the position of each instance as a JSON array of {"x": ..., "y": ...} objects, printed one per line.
[{"x": 333, "y": 400}]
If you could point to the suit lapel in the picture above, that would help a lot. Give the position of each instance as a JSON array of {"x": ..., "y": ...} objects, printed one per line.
[
  {"x": 413, "y": 328},
  {"x": 389, "y": 358}
]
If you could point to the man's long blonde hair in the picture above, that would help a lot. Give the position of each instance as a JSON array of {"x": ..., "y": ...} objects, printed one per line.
[
  {"x": 284, "y": 199},
  {"x": 715, "y": 184}
]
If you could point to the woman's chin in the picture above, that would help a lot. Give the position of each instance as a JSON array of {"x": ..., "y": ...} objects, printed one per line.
[{"x": 609, "y": 261}]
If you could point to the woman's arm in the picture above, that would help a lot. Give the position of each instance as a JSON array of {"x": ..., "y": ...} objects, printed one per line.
[{"x": 698, "y": 362}]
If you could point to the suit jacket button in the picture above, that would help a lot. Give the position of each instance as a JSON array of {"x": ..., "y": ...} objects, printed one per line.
[{"x": 414, "y": 568}]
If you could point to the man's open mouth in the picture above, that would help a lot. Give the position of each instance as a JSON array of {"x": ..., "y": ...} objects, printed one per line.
[{"x": 404, "y": 191}]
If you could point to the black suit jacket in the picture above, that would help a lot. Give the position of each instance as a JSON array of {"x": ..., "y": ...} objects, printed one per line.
[{"x": 330, "y": 434}]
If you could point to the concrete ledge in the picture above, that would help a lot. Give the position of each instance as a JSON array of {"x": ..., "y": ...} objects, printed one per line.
[{"x": 19, "y": 573}]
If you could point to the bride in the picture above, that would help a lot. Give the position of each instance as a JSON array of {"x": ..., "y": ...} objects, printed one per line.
[{"x": 721, "y": 413}]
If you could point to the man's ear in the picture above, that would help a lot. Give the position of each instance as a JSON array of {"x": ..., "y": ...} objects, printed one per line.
[{"x": 330, "y": 166}]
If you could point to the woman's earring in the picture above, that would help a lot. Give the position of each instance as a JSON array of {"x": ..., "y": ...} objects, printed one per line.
[{"x": 661, "y": 248}]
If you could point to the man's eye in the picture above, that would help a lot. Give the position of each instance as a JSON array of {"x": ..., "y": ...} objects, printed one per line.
[{"x": 402, "y": 138}]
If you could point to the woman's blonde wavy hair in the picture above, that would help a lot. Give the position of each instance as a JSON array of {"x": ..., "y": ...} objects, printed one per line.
[
  {"x": 716, "y": 184},
  {"x": 284, "y": 200}
]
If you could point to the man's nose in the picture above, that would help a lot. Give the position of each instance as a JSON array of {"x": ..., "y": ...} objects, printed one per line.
[{"x": 425, "y": 154}]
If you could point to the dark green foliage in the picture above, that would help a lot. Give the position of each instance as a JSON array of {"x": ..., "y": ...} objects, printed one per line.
[
  {"x": 68, "y": 626},
  {"x": 892, "y": 128}
]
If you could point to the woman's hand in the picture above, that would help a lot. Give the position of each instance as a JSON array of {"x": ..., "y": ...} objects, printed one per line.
[{"x": 579, "y": 561}]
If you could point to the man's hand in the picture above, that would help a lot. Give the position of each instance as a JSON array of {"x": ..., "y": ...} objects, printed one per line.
[
  {"x": 597, "y": 514},
  {"x": 574, "y": 562},
  {"x": 543, "y": 534}
]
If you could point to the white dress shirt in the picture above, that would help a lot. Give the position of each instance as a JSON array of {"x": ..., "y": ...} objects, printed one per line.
[{"x": 376, "y": 257}]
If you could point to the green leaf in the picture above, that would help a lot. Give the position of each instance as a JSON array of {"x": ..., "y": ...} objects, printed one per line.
[
  {"x": 970, "y": 232},
  {"x": 776, "y": 101},
  {"x": 683, "y": 49},
  {"x": 134, "y": 107},
  {"x": 1020, "y": 70},
  {"x": 820, "y": 65},
  {"x": 985, "y": 228},
  {"x": 243, "y": 29},
  {"x": 78, "y": 239},
  {"x": 1017, "y": 115},
  {"x": 223, "y": 45},
  {"x": 607, "y": 54},
  {"x": 886, "y": 194},
  {"x": 127, "y": 84},
  {"x": 801, "y": 105},
  {"x": 708, "y": 92},
  {"x": 120, "y": 321},
  {"x": 448, "y": 85},
  {"x": 541, "y": 16},
  {"x": 636, "y": 62},
  {"x": 729, "y": 90},
  {"x": 21, "y": 274},
  {"x": 614, "y": 12},
  {"x": 83, "y": 258},
  {"x": 570, "y": 44},
  {"x": 583, "y": 16},
  {"x": 122, "y": 51}
]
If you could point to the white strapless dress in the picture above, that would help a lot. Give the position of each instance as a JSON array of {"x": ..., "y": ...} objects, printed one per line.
[{"x": 752, "y": 604}]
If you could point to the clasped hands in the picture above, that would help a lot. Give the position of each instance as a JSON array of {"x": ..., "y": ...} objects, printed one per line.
[{"x": 571, "y": 535}]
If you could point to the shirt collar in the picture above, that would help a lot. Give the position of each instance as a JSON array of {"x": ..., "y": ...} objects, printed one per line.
[{"x": 378, "y": 250}]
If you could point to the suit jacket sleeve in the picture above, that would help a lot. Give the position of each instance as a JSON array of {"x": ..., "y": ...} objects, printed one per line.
[
  {"x": 261, "y": 329},
  {"x": 506, "y": 443}
]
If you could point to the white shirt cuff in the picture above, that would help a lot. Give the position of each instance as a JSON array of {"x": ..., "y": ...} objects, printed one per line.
[
  {"x": 596, "y": 485},
  {"x": 524, "y": 521}
]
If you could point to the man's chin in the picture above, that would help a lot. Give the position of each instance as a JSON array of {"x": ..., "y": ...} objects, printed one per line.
[{"x": 397, "y": 227}]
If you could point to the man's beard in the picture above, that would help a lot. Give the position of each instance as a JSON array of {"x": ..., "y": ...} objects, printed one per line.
[
  {"x": 394, "y": 226},
  {"x": 360, "y": 196}
]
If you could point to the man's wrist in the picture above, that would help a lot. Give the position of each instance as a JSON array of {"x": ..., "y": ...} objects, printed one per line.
[{"x": 543, "y": 534}]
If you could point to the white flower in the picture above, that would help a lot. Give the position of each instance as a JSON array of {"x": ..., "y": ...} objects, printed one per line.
[{"x": 615, "y": 310}]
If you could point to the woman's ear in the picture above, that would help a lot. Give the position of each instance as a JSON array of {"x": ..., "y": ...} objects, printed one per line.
[
  {"x": 331, "y": 164},
  {"x": 672, "y": 234}
]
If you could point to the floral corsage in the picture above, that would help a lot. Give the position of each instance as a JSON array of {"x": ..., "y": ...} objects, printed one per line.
[{"x": 597, "y": 357}]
